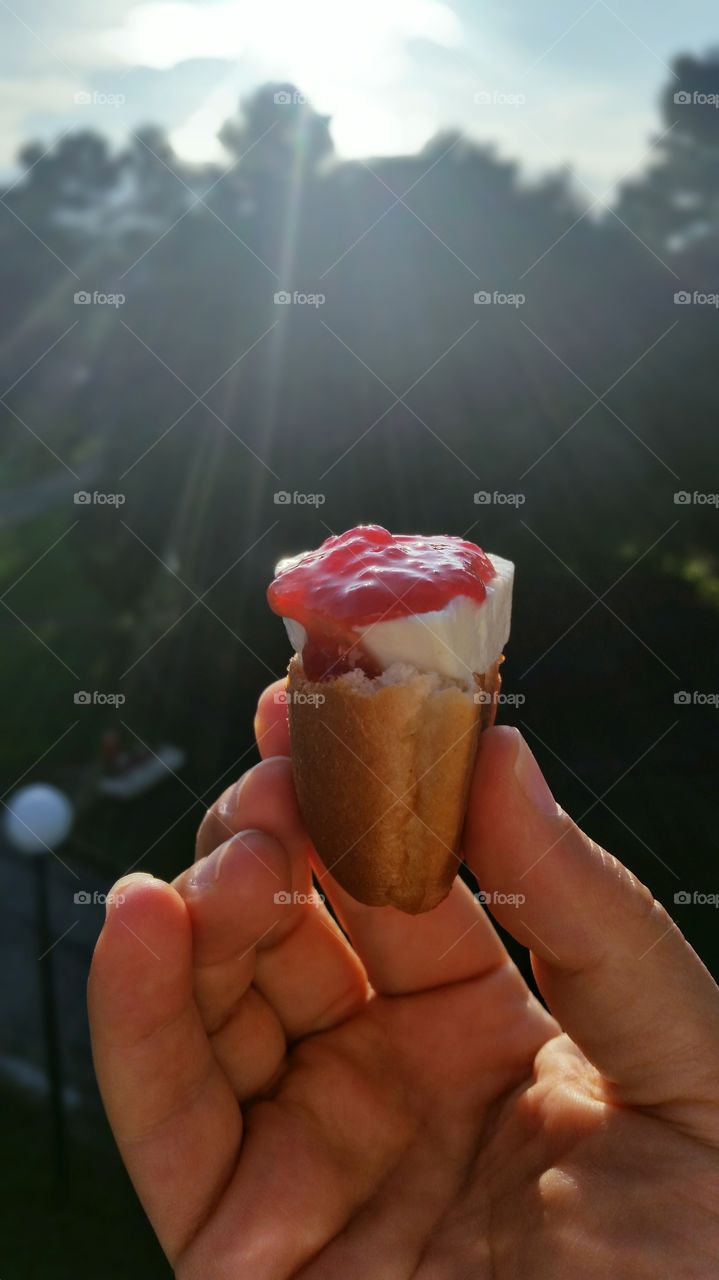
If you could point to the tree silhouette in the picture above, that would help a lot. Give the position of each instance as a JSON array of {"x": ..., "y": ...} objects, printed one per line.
[{"x": 675, "y": 204}]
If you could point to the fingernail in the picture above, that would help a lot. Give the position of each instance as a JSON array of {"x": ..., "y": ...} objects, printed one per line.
[
  {"x": 116, "y": 896},
  {"x": 205, "y": 872},
  {"x": 532, "y": 781},
  {"x": 228, "y": 806}
]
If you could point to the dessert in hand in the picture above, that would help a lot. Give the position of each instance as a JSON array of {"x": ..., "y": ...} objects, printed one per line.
[{"x": 398, "y": 642}]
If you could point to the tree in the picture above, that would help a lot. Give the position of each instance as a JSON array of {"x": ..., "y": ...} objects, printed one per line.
[
  {"x": 675, "y": 203},
  {"x": 282, "y": 129},
  {"x": 74, "y": 173}
]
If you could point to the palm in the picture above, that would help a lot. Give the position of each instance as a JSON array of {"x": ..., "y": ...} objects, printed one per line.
[
  {"x": 473, "y": 1148},
  {"x": 587, "y": 1188},
  {"x": 379, "y": 1118}
]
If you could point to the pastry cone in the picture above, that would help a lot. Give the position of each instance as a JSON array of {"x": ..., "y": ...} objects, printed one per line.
[{"x": 382, "y": 769}]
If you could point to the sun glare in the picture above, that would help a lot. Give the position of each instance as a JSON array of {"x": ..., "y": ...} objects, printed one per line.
[{"x": 344, "y": 57}]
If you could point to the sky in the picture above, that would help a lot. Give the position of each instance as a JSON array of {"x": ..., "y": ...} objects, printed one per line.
[{"x": 571, "y": 82}]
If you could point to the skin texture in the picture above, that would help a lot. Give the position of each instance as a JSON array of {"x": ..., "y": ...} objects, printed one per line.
[{"x": 288, "y": 1105}]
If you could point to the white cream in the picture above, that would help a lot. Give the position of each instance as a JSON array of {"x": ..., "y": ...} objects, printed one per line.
[{"x": 463, "y": 638}]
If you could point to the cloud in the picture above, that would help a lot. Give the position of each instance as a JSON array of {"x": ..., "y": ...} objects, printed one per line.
[
  {"x": 368, "y": 40},
  {"x": 350, "y": 60}
]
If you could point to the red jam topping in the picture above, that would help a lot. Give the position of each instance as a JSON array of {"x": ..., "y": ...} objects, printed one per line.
[{"x": 368, "y": 575}]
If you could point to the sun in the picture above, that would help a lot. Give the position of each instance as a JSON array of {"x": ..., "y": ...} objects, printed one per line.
[{"x": 349, "y": 59}]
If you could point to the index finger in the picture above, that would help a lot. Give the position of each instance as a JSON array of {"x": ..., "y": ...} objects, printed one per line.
[{"x": 271, "y": 725}]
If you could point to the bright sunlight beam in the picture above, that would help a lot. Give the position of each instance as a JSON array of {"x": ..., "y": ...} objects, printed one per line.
[{"x": 342, "y": 56}]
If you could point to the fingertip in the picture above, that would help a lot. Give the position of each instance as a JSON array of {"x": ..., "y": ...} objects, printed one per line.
[
  {"x": 498, "y": 750},
  {"x": 271, "y": 722},
  {"x": 142, "y": 956},
  {"x": 269, "y": 804},
  {"x": 490, "y": 788},
  {"x": 533, "y": 864},
  {"x": 127, "y": 886},
  {"x": 138, "y": 899},
  {"x": 248, "y": 857},
  {"x": 237, "y": 896}
]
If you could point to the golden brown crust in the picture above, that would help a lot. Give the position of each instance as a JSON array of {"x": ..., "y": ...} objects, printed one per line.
[{"x": 382, "y": 773}]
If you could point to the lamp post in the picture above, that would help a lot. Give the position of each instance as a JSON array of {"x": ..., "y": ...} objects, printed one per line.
[{"x": 38, "y": 819}]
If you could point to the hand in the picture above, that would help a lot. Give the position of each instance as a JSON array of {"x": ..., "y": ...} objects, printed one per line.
[{"x": 291, "y": 1106}]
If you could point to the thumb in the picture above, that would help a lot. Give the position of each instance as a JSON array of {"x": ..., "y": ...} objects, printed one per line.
[{"x": 614, "y": 969}]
